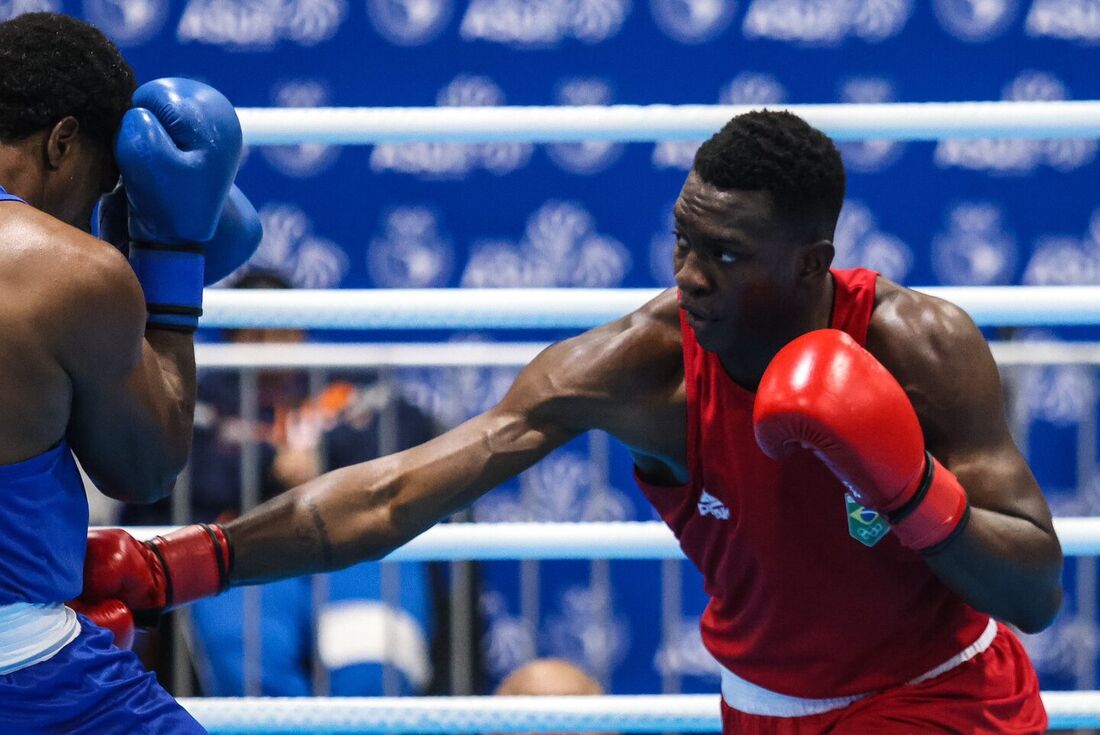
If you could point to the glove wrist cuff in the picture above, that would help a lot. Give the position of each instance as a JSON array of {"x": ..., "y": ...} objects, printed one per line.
[
  {"x": 172, "y": 278},
  {"x": 196, "y": 561},
  {"x": 937, "y": 512}
]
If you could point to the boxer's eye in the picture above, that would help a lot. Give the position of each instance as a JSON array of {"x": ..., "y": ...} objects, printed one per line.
[{"x": 681, "y": 241}]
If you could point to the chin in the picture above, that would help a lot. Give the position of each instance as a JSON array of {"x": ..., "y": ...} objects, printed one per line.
[{"x": 712, "y": 340}]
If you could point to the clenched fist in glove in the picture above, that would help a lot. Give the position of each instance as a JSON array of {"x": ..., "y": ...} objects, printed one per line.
[
  {"x": 825, "y": 393},
  {"x": 178, "y": 149},
  {"x": 126, "y": 579}
]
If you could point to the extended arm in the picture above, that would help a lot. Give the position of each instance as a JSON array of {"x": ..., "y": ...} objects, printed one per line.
[
  {"x": 619, "y": 377},
  {"x": 340, "y": 518},
  {"x": 623, "y": 377}
]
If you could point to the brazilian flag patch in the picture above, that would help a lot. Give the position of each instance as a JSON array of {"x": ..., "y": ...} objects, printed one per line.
[{"x": 864, "y": 525}]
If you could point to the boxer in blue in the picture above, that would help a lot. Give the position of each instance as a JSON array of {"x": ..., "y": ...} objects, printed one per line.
[{"x": 96, "y": 344}]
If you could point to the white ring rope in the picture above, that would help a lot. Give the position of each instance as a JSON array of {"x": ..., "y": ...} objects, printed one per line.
[
  {"x": 610, "y": 713},
  {"x": 573, "y": 308},
  {"x": 598, "y": 540},
  {"x": 643, "y": 123},
  {"x": 291, "y": 356},
  {"x": 367, "y": 355}
]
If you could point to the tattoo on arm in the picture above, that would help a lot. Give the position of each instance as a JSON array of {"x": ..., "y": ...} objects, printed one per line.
[{"x": 315, "y": 540}]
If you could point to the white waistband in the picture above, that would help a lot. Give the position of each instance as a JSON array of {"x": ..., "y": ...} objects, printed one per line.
[
  {"x": 31, "y": 633},
  {"x": 749, "y": 698}
]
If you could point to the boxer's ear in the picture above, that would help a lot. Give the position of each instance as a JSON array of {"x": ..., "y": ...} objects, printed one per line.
[
  {"x": 60, "y": 140},
  {"x": 814, "y": 259}
]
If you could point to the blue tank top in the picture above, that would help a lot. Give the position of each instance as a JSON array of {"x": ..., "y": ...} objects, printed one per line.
[
  {"x": 43, "y": 527},
  {"x": 6, "y": 197},
  {"x": 43, "y": 523}
]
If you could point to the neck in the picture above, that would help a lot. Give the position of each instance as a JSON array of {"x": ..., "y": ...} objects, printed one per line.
[
  {"x": 18, "y": 175},
  {"x": 745, "y": 363}
]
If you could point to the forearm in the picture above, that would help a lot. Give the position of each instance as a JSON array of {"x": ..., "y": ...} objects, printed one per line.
[
  {"x": 1005, "y": 566},
  {"x": 170, "y": 369},
  {"x": 363, "y": 512},
  {"x": 311, "y": 529},
  {"x": 147, "y": 455}
]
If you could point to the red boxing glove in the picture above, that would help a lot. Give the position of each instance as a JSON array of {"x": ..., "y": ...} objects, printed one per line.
[
  {"x": 825, "y": 393},
  {"x": 157, "y": 575},
  {"x": 110, "y": 614}
]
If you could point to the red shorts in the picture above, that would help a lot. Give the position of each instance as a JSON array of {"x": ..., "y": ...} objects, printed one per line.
[{"x": 994, "y": 693}]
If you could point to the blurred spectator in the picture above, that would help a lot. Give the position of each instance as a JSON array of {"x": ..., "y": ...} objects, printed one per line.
[
  {"x": 370, "y": 629},
  {"x": 549, "y": 677}
]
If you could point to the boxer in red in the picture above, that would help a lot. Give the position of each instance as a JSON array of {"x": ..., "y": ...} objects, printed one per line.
[{"x": 830, "y": 449}]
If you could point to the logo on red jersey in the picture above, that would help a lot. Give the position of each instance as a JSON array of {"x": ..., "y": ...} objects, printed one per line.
[
  {"x": 712, "y": 506},
  {"x": 864, "y": 525}
]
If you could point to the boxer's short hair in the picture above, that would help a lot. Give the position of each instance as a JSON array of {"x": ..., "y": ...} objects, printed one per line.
[
  {"x": 53, "y": 66},
  {"x": 778, "y": 152}
]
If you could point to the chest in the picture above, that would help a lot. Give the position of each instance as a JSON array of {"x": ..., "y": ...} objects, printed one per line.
[{"x": 739, "y": 494}]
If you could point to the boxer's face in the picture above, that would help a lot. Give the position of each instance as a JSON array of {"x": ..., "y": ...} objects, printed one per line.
[
  {"x": 81, "y": 170},
  {"x": 735, "y": 266},
  {"x": 98, "y": 176}
]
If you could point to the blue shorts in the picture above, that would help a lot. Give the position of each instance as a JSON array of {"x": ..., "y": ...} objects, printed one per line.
[{"x": 90, "y": 686}]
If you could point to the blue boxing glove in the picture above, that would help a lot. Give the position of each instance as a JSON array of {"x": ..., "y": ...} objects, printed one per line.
[
  {"x": 238, "y": 234},
  {"x": 178, "y": 149},
  {"x": 235, "y": 239}
]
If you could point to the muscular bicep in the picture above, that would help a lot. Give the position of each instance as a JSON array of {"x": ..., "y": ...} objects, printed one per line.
[
  {"x": 451, "y": 471},
  {"x": 625, "y": 378},
  {"x": 569, "y": 388},
  {"x": 997, "y": 478}
]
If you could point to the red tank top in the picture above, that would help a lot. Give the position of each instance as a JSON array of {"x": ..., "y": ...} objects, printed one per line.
[{"x": 811, "y": 596}]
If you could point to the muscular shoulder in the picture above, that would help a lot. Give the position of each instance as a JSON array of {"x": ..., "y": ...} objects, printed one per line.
[
  {"x": 905, "y": 321},
  {"x": 636, "y": 354},
  {"x": 81, "y": 291},
  {"x": 937, "y": 353},
  {"x": 627, "y": 361},
  {"x": 637, "y": 348}
]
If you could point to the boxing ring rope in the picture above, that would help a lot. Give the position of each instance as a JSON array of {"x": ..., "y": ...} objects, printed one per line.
[
  {"x": 695, "y": 713},
  {"x": 647, "y": 123},
  {"x": 622, "y": 713},
  {"x": 295, "y": 356},
  {"x": 573, "y": 308},
  {"x": 598, "y": 540}
]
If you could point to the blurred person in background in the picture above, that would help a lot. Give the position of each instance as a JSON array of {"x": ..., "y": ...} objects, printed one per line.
[{"x": 549, "y": 677}]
